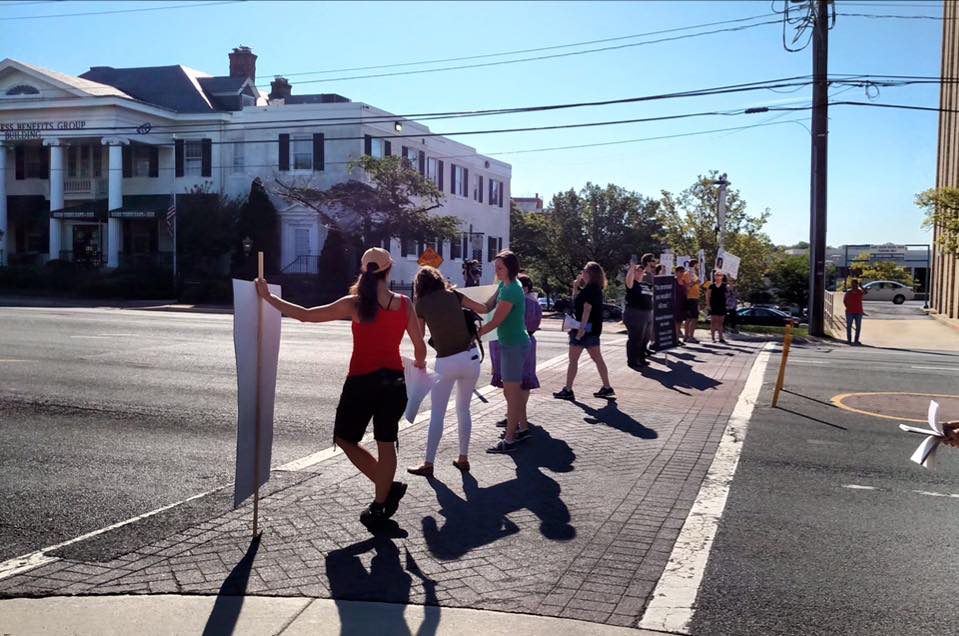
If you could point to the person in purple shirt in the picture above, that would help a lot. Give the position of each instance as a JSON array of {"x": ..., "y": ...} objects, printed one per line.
[{"x": 534, "y": 316}]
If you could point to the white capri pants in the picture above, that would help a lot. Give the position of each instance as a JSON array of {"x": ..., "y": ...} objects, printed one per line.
[{"x": 463, "y": 370}]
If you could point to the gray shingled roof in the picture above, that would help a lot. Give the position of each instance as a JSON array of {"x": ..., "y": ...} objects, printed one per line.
[
  {"x": 173, "y": 87},
  {"x": 219, "y": 85},
  {"x": 320, "y": 98}
]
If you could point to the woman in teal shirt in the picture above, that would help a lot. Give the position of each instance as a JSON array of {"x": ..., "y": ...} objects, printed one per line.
[{"x": 509, "y": 320}]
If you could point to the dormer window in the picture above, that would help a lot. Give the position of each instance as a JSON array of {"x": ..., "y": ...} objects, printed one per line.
[{"x": 23, "y": 89}]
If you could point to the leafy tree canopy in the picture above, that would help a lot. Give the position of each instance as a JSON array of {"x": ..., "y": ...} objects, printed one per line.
[{"x": 942, "y": 213}]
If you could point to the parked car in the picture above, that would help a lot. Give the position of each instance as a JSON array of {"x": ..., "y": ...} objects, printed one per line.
[
  {"x": 563, "y": 305},
  {"x": 764, "y": 316},
  {"x": 888, "y": 290}
]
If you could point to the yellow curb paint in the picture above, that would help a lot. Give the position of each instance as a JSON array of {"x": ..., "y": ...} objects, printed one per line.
[{"x": 838, "y": 403}]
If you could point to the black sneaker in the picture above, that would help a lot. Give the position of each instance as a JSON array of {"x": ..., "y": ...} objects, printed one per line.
[
  {"x": 605, "y": 392},
  {"x": 565, "y": 394},
  {"x": 375, "y": 514},
  {"x": 501, "y": 423},
  {"x": 520, "y": 435},
  {"x": 502, "y": 447},
  {"x": 397, "y": 490}
]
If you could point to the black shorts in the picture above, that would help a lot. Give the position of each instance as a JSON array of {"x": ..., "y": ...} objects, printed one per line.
[
  {"x": 380, "y": 396},
  {"x": 692, "y": 308}
]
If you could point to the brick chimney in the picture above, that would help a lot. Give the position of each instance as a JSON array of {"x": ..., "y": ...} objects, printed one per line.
[
  {"x": 280, "y": 88},
  {"x": 243, "y": 63}
]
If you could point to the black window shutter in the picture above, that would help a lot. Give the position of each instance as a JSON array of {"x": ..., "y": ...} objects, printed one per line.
[
  {"x": 387, "y": 148},
  {"x": 466, "y": 182},
  {"x": 422, "y": 157},
  {"x": 502, "y": 193},
  {"x": 20, "y": 154},
  {"x": 45, "y": 167},
  {"x": 466, "y": 246},
  {"x": 178, "y": 157},
  {"x": 420, "y": 247},
  {"x": 319, "y": 150},
  {"x": 480, "y": 188},
  {"x": 491, "y": 201},
  {"x": 490, "y": 249},
  {"x": 403, "y": 247},
  {"x": 127, "y": 155},
  {"x": 154, "y": 162},
  {"x": 439, "y": 171},
  {"x": 439, "y": 246},
  {"x": 97, "y": 160},
  {"x": 206, "y": 158},
  {"x": 453, "y": 178},
  {"x": 283, "y": 159},
  {"x": 367, "y": 145},
  {"x": 154, "y": 238},
  {"x": 499, "y": 245}
]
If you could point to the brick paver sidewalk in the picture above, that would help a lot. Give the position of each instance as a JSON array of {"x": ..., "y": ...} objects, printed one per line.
[{"x": 578, "y": 523}]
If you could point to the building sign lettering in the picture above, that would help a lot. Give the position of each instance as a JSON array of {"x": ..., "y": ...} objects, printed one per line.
[{"x": 23, "y": 130}]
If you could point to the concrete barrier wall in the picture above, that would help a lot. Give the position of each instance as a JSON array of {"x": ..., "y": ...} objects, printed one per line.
[{"x": 834, "y": 316}]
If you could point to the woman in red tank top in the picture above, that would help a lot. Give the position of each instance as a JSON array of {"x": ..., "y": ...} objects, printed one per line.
[{"x": 374, "y": 387}]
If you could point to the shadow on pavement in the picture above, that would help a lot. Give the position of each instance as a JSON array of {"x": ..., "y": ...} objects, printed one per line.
[
  {"x": 811, "y": 399},
  {"x": 680, "y": 376},
  {"x": 610, "y": 415},
  {"x": 387, "y": 581},
  {"x": 810, "y": 417},
  {"x": 480, "y": 518},
  {"x": 229, "y": 600}
]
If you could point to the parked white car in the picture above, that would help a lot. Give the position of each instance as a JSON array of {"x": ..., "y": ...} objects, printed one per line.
[{"x": 888, "y": 290}]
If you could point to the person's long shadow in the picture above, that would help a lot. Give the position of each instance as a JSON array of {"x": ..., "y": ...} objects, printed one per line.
[
  {"x": 680, "y": 376},
  {"x": 387, "y": 582},
  {"x": 610, "y": 415},
  {"x": 229, "y": 600},
  {"x": 480, "y": 518}
]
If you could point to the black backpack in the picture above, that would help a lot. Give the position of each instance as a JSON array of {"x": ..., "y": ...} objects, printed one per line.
[{"x": 473, "y": 325}]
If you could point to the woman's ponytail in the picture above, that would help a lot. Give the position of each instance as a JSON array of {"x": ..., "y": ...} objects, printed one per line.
[{"x": 366, "y": 289}]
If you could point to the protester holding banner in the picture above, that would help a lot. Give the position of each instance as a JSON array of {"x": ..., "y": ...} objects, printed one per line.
[
  {"x": 509, "y": 321},
  {"x": 588, "y": 312},
  {"x": 692, "y": 284},
  {"x": 716, "y": 304},
  {"x": 732, "y": 305},
  {"x": 374, "y": 388},
  {"x": 457, "y": 362},
  {"x": 638, "y": 314}
]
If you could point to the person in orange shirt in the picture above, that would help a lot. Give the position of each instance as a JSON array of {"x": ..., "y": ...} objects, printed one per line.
[
  {"x": 854, "y": 311},
  {"x": 691, "y": 282}
]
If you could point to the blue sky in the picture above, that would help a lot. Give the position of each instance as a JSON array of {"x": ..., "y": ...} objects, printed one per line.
[{"x": 879, "y": 159}]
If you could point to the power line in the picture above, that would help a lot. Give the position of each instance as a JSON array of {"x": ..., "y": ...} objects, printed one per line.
[
  {"x": 521, "y": 51},
  {"x": 17, "y": 4},
  {"x": 893, "y": 16},
  {"x": 112, "y": 11},
  {"x": 541, "y": 57}
]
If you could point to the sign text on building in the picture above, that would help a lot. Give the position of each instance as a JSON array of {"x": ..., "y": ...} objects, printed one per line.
[{"x": 18, "y": 130}]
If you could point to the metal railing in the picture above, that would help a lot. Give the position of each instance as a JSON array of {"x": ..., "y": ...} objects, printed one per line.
[
  {"x": 304, "y": 264},
  {"x": 84, "y": 185}
]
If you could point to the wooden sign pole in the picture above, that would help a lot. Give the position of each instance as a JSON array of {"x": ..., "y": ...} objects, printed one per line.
[
  {"x": 787, "y": 343},
  {"x": 256, "y": 439}
]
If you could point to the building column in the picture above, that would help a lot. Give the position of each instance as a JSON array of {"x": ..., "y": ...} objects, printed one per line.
[
  {"x": 115, "y": 197},
  {"x": 56, "y": 195},
  {"x": 4, "y": 226}
]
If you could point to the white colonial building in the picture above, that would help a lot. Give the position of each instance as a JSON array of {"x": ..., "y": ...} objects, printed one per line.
[{"x": 89, "y": 164}]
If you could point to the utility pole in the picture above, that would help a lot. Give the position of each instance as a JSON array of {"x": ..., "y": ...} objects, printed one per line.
[
  {"x": 817, "y": 196},
  {"x": 723, "y": 183}
]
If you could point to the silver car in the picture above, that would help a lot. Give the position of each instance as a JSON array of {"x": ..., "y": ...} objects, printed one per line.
[{"x": 888, "y": 290}]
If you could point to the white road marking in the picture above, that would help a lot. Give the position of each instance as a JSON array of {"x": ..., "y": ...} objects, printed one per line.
[
  {"x": 935, "y": 494},
  {"x": 953, "y": 369},
  {"x": 858, "y": 487},
  {"x": 33, "y": 560},
  {"x": 15, "y": 360},
  {"x": 672, "y": 606}
]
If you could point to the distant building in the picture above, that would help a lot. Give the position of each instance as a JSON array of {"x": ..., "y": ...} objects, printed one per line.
[
  {"x": 528, "y": 204},
  {"x": 944, "y": 296},
  {"x": 914, "y": 258}
]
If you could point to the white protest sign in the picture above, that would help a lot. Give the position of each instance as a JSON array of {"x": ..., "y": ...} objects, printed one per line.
[
  {"x": 683, "y": 261},
  {"x": 667, "y": 260},
  {"x": 702, "y": 264},
  {"x": 482, "y": 295},
  {"x": 728, "y": 263},
  {"x": 926, "y": 453},
  {"x": 246, "y": 315}
]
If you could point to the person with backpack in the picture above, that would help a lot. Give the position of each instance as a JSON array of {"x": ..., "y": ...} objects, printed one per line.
[
  {"x": 534, "y": 317},
  {"x": 457, "y": 362},
  {"x": 375, "y": 388}
]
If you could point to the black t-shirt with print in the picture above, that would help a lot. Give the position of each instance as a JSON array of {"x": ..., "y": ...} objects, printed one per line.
[{"x": 592, "y": 294}]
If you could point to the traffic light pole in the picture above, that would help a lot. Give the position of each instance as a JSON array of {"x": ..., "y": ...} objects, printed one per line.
[{"x": 817, "y": 199}]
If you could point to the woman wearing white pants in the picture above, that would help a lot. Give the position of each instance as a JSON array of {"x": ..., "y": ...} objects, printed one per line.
[{"x": 457, "y": 363}]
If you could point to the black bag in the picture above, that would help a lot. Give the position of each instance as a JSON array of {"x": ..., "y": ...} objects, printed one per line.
[{"x": 473, "y": 325}]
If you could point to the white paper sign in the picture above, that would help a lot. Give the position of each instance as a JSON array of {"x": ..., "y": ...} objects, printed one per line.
[
  {"x": 926, "y": 453},
  {"x": 728, "y": 263},
  {"x": 702, "y": 264},
  {"x": 245, "y": 318},
  {"x": 482, "y": 295},
  {"x": 683, "y": 261},
  {"x": 667, "y": 260}
]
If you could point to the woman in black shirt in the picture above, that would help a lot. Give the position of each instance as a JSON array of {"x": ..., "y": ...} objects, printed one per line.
[
  {"x": 716, "y": 301},
  {"x": 638, "y": 315},
  {"x": 588, "y": 311}
]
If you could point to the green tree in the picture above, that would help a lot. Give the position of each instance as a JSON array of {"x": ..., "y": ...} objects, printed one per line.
[
  {"x": 391, "y": 199},
  {"x": 866, "y": 269},
  {"x": 942, "y": 213},
  {"x": 257, "y": 220},
  {"x": 789, "y": 278},
  {"x": 690, "y": 224},
  {"x": 603, "y": 224},
  {"x": 206, "y": 232}
]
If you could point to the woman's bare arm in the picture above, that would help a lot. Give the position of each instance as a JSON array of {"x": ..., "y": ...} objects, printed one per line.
[
  {"x": 502, "y": 311},
  {"x": 416, "y": 335},
  {"x": 341, "y": 309}
]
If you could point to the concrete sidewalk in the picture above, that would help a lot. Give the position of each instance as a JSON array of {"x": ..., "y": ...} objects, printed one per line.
[
  {"x": 925, "y": 333},
  {"x": 577, "y": 524},
  {"x": 259, "y": 615}
]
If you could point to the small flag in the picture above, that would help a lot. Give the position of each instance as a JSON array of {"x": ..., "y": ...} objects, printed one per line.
[{"x": 171, "y": 216}]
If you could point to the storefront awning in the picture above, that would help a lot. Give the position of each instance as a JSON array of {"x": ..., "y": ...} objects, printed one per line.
[
  {"x": 142, "y": 206},
  {"x": 95, "y": 211}
]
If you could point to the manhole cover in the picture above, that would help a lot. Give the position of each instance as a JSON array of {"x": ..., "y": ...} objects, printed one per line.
[{"x": 909, "y": 407}]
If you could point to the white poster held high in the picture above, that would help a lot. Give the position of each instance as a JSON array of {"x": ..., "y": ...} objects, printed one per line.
[
  {"x": 728, "y": 263},
  {"x": 482, "y": 294},
  {"x": 254, "y": 455},
  {"x": 667, "y": 260}
]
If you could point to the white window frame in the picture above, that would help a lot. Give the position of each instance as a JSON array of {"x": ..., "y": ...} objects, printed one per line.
[
  {"x": 459, "y": 182},
  {"x": 377, "y": 147},
  {"x": 413, "y": 156},
  {"x": 193, "y": 158},
  {"x": 140, "y": 161},
  {"x": 303, "y": 142},
  {"x": 477, "y": 188},
  {"x": 239, "y": 156},
  {"x": 497, "y": 199},
  {"x": 433, "y": 170}
]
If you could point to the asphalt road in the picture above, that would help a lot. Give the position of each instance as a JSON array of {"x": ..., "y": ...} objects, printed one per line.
[
  {"x": 829, "y": 528},
  {"x": 106, "y": 414}
]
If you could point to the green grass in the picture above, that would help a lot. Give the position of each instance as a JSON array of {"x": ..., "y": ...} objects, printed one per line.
[{"x": 797, "y": 331}]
